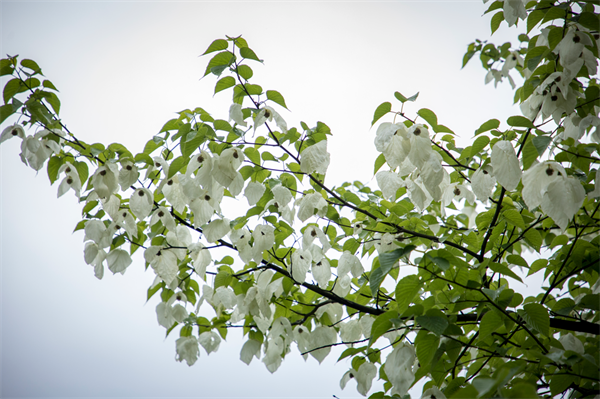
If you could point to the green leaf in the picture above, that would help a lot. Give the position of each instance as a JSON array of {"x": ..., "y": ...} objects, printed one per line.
[
  {"x": 252, "y": 154},
  {"x": 496, "y": 20},
  {"x": 400, "y": 97},
  {"x": 217, "y": 45},
  {"x": 560, "y": 383},
  {"x": 177, "y": 164},
  {"x": 490, "y": 322},
  {"x": 536, "y": 315},
  {"x": 54, "y": 164},
  {"x": 276, "y": 97},
  {"x": 413, "y": 97},
  {"x": 383, "y": 109},
  {"x": 224, "y": 83},
  {"x": 426, "y": 345},
  {"x": 245, "y": 71},
  {"x": 479, "y": 144},
  {"x": 49, "y": 85},
  {"x": 219, "y": 62},
  {"x": 530, "y": 154},
  {"x": 487, "y": 126},
  {"x": 533, "y": 19},
  {"x": 440, "y": 262},
  {"x": 435, "y": 324},
  {"x": 11, "y": 88},
  {"x": 537, "y": 265},
  {"x": 541, "y": 143},
  {"x": 381, "y": 325},
  {"x": 387, "y": 261},
  {"x": 246, "y": 52},
  {"x": 519, "y": 121},
  {"x": 429, "y": 116},
  {"x": 517, "y": 260},
  {"x": 82, "y": 171},
  {"x": 406, "y": 289},
  {"x": 6, "y": 111},
  {"x": 378, "y": 163},
  {"x": 534, "y": 238},
  {"x": 589, "y": 20},
  {"x": 590, "y": 301},
  {"x": 31, "y": 64},
  {"x": 502, "y": 269},
  {"x": 514, "y": 217}
]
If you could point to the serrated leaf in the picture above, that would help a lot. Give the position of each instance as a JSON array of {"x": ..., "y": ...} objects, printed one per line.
[
  {"x": 406, "y": 289},
  {"x": 381, "y": 325},
  {"x": 489, "y": 323},
  {"x": 534, "y": 238},
  {"x": 387, "y": 261},
  {"x": 426, "y": 345},
  {"x": 217, "y": 45},
  {"x": 224, "y": 83},
  {"x": 541, "y": 143},
  {"x": 502, "y": 269},
  {"x": 383, "y": 109},
  {"x": 276, "y": 97},
  {"x": 514, "y": 217},
  {"x": 536, "y": 315},
  {"x": 435, "y": 324}
]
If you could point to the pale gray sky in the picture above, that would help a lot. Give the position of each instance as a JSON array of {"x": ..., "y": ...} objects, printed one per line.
[{"x": 123, "y": 69}]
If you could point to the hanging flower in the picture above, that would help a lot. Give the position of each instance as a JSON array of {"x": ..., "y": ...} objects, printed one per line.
[
  {"x": 268, "y": 114},
  {"x": 506, "y": 165},
  {"x": 315, "y": 158},
  {"x": 236, "y": 114}
]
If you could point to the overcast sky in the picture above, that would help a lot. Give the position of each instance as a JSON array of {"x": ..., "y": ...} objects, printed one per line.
[{"x": 123, "y": 69}]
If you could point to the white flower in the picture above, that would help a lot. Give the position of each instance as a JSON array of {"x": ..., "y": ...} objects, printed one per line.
[
  {"x": 118, "y": 260},
  {"x": 310, "y": 205},
  {"x": 210, "y": 341},
  {"x": 174, "y": 194},
  {"x": 268, "y": 114},
  {"x": 164, "y": 263},
  {"x": 36, "y": 150},
  {"x": 282, "y": 195},
  {"x": 321, "y": 271},
  {"x": 321, "y": 337},
  {"x": 389, "y": 182},
  {"x": 562, "y": 199},
  {"x": 312, "y": 232},
  {"x": 225, "y": 167},
  {"x": 506, "y": 165},
  {"x": 164, "y": 216},
  {"x": 457, "y": 192},
  {"x": 571, "y": 46},
  {"x": 301, "y": 262},
  {"x": 364, "y": 377},
  {"x": 351, "y": 331},
  {"x": 514, "y": 10},
  {"x": 201, "y": 258},
  {"x": 572, "y": 343},
  {"x": 202, "y": 209},
  {"x": 483, "y": 183},
  {"x": 433, "y": 392},
  {"x": 216, "y": 230},
  {"x": 11, "y": 131},
  {"x": 350, "y": 263},
  {"x": 236, "y": 114},
  {"x": 398, "y": 367},
  {"x": 250, "y": 350},
  {"x": 264, "y": 238},
  {"x": 95, "y": 230},
  {"x": 128, "y": 175},
  {"x": 432, "y": 174},
  {"x": 420, "y": 145},
  {"x": 71, "y": 180},
  {"x": 315, "y": 158},
  {"x": 419, "y": 197},
  {"x": 105, "y": 180},
  {"x": 164, "y": 315},
  {"x": 141, "y": 202},
  {"x": 187, "y": 349},
  {"x": 274, "y": 349},
  {"x": 253, "y": 192},
  {"x": 536, "y": 180}
]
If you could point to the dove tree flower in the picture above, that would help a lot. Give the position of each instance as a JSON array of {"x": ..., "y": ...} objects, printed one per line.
[{"x": 410, "y": 280}]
